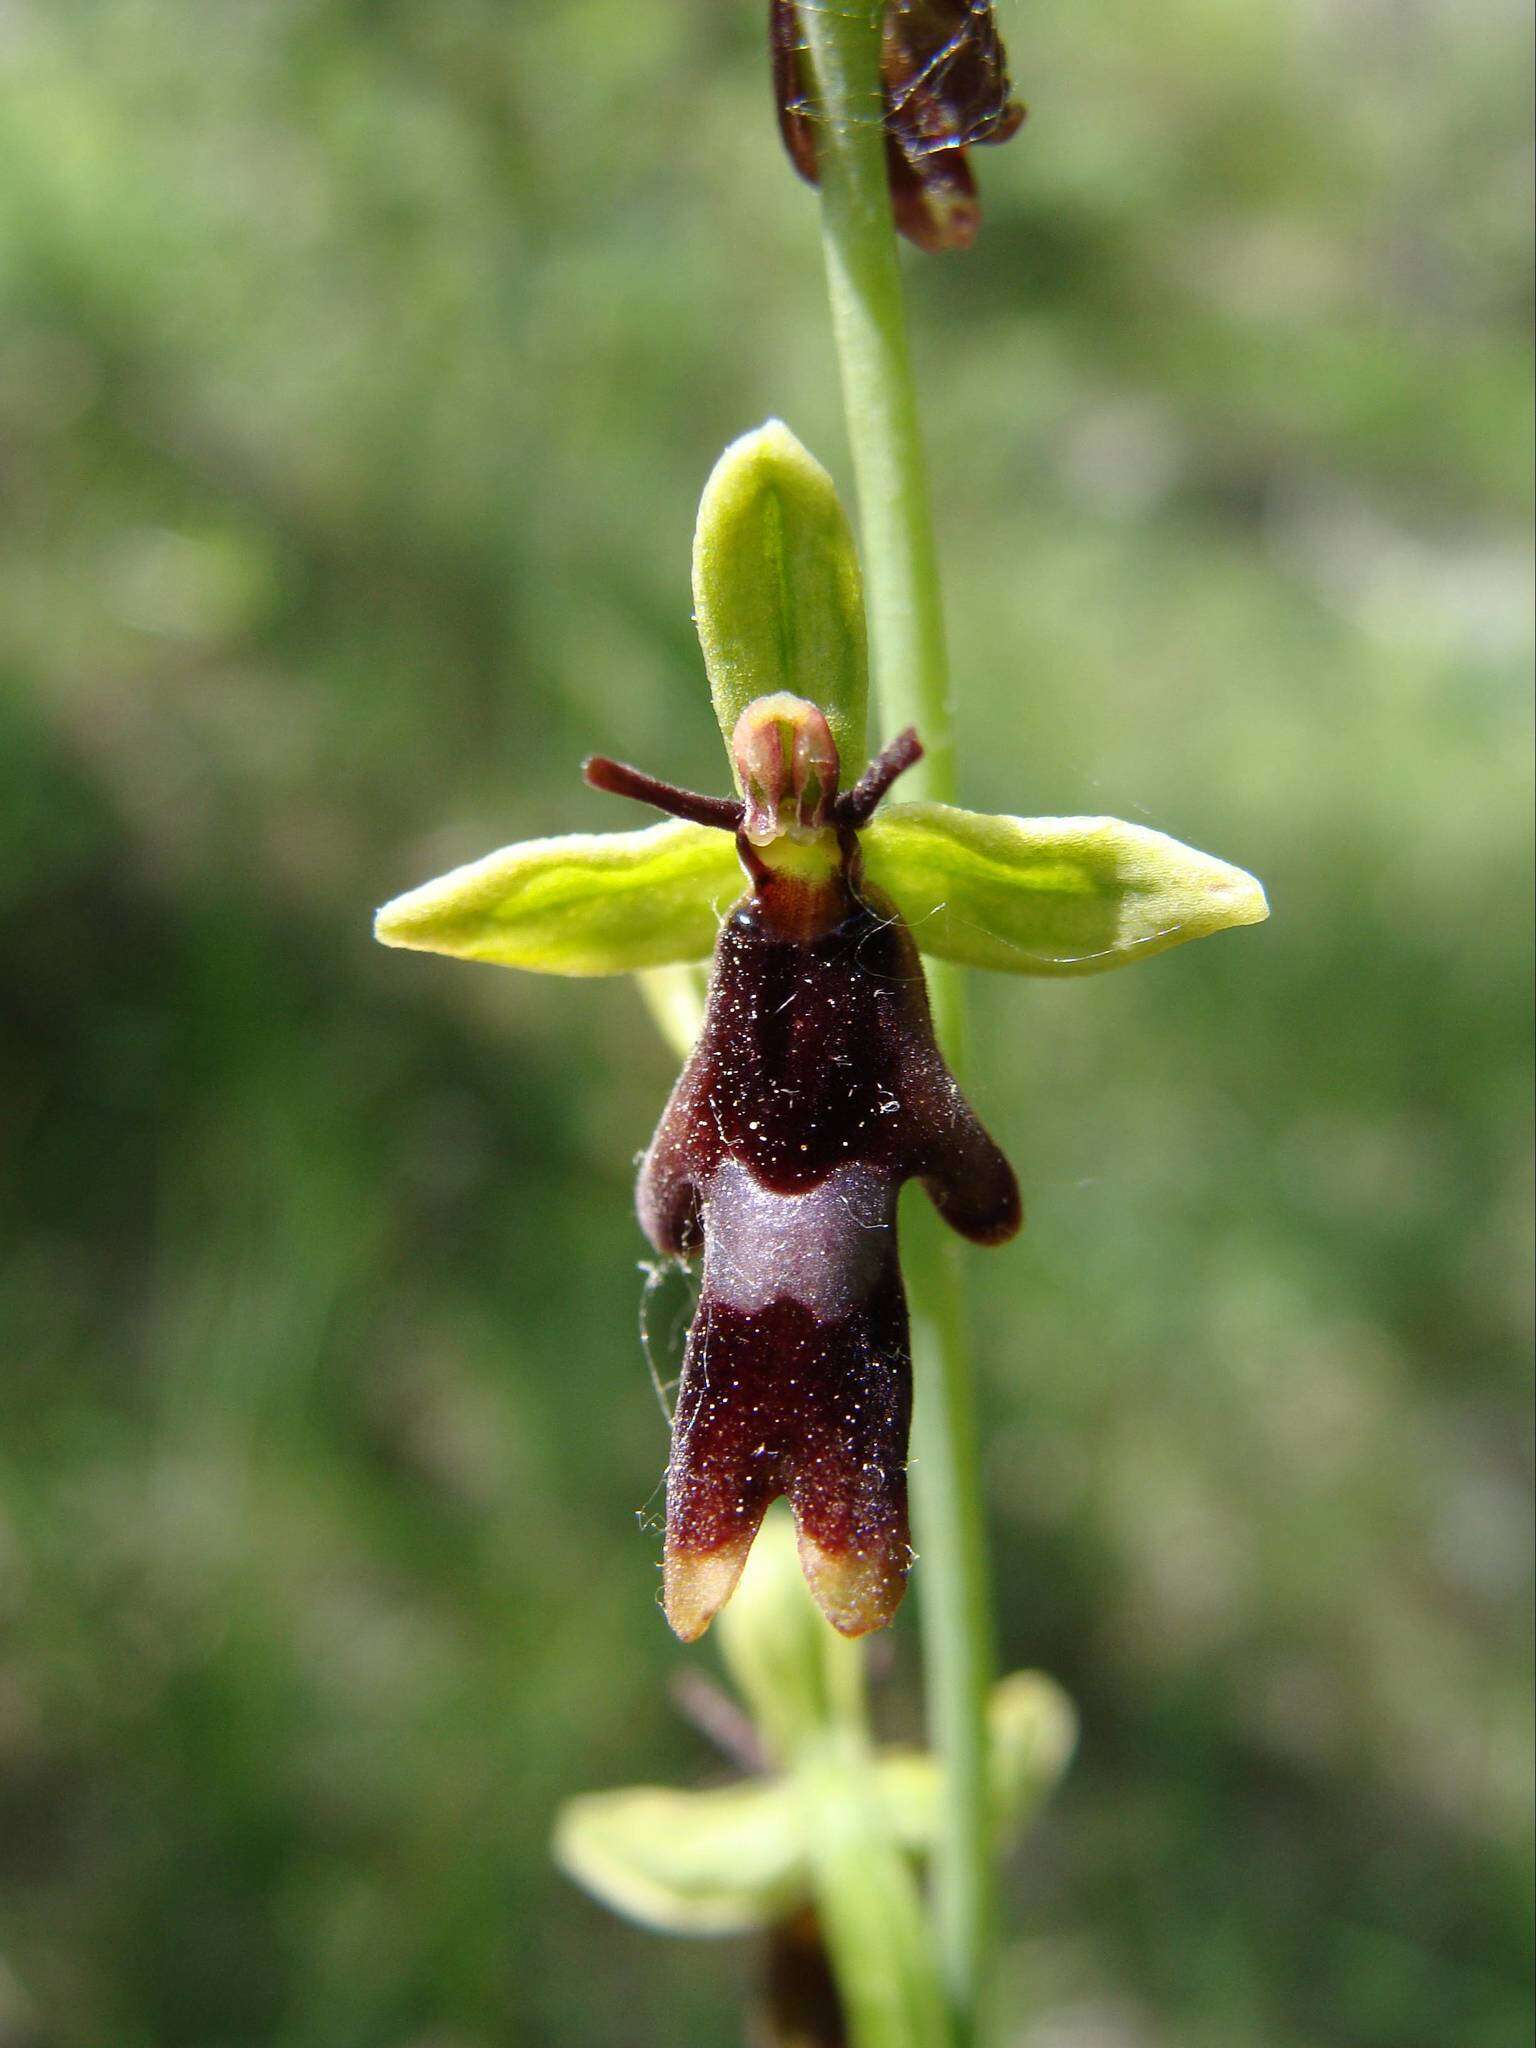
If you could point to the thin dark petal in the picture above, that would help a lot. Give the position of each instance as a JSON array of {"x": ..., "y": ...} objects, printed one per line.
[
  {"x": 857, "y": 806},
  {"x": 619, "y": 779}
]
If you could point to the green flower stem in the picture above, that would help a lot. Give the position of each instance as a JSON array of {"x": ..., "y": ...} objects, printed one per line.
[
  {"x": 865, "y": 1889},
  {"x": 955, "y": 1609},
  {"x": 911, "y": 679},
  {"x": 867, "y": 1900},
  {"x": 805, "y": 1688}
]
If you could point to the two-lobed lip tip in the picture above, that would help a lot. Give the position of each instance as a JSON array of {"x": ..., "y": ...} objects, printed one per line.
[{"x": 857, "y": 1590}]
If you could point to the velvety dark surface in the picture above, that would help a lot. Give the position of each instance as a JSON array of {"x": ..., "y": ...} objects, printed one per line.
[{"x": 815, "y": 1091}]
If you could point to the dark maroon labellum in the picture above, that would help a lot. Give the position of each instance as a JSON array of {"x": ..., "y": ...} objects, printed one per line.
[
  {"x": 944, "y": 86},
  {"x": 816, "y": 1089}
]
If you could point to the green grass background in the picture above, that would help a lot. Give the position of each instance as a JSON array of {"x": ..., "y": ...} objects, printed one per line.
[{"x": 361, "y": 363}]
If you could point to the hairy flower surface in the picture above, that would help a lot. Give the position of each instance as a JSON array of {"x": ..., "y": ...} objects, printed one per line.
[{"x": 815, "y": 1091}]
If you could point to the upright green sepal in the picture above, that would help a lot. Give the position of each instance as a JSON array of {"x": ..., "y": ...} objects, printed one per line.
[
  {"x": 675, "y": 996},
  {"x": 588, "y": 903},
  {"x": 795, "y": 1673},
  {"x": 777, "y": 596},
  {"x": 1049, "y": 896}
]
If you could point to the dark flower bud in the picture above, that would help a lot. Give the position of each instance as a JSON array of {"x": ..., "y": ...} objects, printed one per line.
[{"x": 943, "y": 85}]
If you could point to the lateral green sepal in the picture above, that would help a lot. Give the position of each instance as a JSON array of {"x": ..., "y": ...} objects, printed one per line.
[
  {"x": 716, "y": 1862},
  {"x": 588, "y": 903},
  {"x": 777, "y": 596},
  {"x": 1050, "y": 896}
]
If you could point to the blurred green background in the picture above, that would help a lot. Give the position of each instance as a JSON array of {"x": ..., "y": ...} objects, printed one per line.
[{"x": 361, "y": 363}]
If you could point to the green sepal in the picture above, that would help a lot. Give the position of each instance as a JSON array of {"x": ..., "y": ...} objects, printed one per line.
[
  {"x": 777, "y": 596},
  {"x": 1033, "y": 1729},
  {"x": 589, "y": 903},
  {"x": 796, "y": 1674},
  {"x": 676, "y": 998},
  {"x": 1049, "y": 896},
  {"x": 1032, "y": 1732},
  {"x": 717, "y": 1862}
]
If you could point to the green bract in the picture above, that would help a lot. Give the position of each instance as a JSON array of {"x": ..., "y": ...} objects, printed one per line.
[
  {"x": 777, "y": 597},
  {"x": 790, "y": 1669}
]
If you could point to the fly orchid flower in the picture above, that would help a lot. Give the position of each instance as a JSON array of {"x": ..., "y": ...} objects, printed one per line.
[{"x": 816, "y": 1087}]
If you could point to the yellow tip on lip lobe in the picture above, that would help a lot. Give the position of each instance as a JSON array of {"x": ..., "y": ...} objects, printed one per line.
[
  {"x": 697, "y": 1584},
  {"x": 856, "y": 1590}
]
